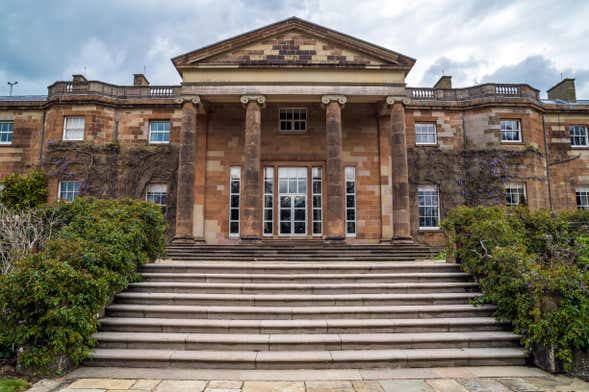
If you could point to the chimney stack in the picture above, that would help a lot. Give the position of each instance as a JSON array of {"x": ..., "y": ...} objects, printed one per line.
[
  {"x": 445, "y": 82},
  {"x": 140, "y": 80},
  {"x": 564, "y": 90},
  {"x": 79, "y": 78}
]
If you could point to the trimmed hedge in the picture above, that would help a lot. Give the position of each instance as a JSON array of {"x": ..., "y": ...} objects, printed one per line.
[
  {"x": 534, "y": 266},
  {"x": 52, "y": 300}
]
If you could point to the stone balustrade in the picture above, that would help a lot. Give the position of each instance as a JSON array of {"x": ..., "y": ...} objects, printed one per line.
[
  {"x": 111, "y": 90},
  {"x": 489, "y": 90}
]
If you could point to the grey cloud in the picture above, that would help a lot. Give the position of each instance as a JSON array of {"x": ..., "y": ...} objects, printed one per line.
[
  {"x": 541, "y": 73},
  {"x": 461, "y": 71}
]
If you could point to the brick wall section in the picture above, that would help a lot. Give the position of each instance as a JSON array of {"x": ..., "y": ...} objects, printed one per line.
[
  {"x": 294, "y": 47},
  {"x": 23, "y": 154}
]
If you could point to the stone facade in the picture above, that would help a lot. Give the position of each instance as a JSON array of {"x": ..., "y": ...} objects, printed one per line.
[{"x": 359, "y": 116}]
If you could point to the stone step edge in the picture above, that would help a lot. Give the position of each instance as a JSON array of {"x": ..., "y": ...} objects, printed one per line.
[
  {"x": 295, "y": 339},
  {"x": 302, "y": 323},
  {"x": 295, "y": 264},
  {"x": 307, "y": 356},
  {"x": 310, "y": 276},
  {"x": 302, "y": 286},
  {"x": 295, "y": 297},
  {"x": 299, "y": 309}
]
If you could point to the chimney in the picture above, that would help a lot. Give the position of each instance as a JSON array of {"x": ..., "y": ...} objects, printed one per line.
[
  {"x": 140, "y": 80},
  {"x": 79, "y": 78},
  {"x": 445, "y": 82},
  {"x": 564, "y": 90}
]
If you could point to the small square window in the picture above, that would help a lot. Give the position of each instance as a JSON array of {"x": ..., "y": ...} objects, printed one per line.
[
  {"x": 6, "y": 132},
  {"x": 68, "y": 190},
  {"x": 429, "y": 207},
  {"x": 425, "y": 134},
  {"x": 73, "y": 128},
  {"x": 293, "y": 120},
  {"x": 582, "y": 198},
  {"x": 159, "y": 132},
  {"x": 515, "y": 194},
  {"x": 579, "y": 137},
  {"x": 511, "y": 131},
  {"x": 158, "y": 194}
]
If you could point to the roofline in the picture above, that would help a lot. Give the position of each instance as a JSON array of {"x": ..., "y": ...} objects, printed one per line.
[
  {"x": 302, "y": 21},
  {"x": 559, "y": 83}
]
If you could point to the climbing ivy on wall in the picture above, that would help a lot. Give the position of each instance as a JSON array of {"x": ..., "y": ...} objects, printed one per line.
[
  {"x": 107, "y": 171},
  {"x": 470, "y": 177}
]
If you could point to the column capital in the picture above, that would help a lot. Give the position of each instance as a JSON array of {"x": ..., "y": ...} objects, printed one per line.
[
  {"x": 393, "y": 99},
  {"x": 260, "y": 99},
  {"x": 341, "y": 99},
  {"x": 195, "y": 99}
]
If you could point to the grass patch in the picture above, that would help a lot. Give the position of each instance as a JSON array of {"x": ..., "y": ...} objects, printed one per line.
[{"x": 13, "y": 385}]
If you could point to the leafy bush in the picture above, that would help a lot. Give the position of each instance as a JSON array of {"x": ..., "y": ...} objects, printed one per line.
[
  {"x": 23, "y": 191},
  {"x": 52, "y": 300},
  {"x": 533, "y": 265}
]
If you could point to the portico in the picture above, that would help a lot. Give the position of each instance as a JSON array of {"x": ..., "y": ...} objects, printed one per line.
[{"x": 288, "y": 132}]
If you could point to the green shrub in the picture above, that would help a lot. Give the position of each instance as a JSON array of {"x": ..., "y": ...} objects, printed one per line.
[
  {"x": 533, "y": 266},
  {"x": 52, "y": 300},
  {"x": 24, "y": 190}
]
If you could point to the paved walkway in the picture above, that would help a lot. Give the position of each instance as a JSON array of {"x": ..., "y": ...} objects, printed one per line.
[{"x": 471, "y": 379}]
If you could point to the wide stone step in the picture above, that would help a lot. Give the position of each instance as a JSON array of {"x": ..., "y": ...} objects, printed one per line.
[
  {"x": 298, "y": 312},
  {"x": 297, "y": 258},
  {"x": 301, "y": 288},
  {"x": 308, "y": 359},
  {"x": 304, "y": 342},
  {"x": 455, "y": 324},
  {"x": 407, "y": 277},
  {"x": 260, "y": 267},
  {"x": 294, "y": 299}
]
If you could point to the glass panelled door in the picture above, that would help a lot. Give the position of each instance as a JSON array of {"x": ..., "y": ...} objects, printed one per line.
[{"x": 292, "y": 196}]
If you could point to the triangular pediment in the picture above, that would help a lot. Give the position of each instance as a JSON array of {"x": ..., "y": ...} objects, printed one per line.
[{"x": 294, "y": 42}]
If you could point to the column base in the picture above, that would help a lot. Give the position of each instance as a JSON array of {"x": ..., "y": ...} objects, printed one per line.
[
  {"x": 403, "y": 240},
  {"x": 183, "y": 239}
]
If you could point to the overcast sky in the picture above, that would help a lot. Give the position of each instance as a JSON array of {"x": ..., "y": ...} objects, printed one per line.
[{"x": 531, "y": 42}]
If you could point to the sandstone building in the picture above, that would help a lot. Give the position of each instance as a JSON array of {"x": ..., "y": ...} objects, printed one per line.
[{"x": 295, "y": 131}]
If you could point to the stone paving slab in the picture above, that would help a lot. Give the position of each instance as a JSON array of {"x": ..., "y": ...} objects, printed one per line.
[{"x": 471, "y": 379}]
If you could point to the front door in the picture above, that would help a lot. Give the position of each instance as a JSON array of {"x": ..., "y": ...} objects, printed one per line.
[{"x": 292, "y": 201}]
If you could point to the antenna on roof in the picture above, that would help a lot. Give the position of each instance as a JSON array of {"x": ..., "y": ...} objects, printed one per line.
[
  {"x": 12, "y": 84},
  {"x": 84, "y": 70},
  {"x": 561, "y": 76}
]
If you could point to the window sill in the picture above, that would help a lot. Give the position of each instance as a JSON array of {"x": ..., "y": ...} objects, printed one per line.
[
  {"x": 158, "y": 143},
  {"x": 427, "y": 144},
  {"x": 72, "y": 140},
  {"x": 579, "y": 147},
  {"x": 512, "y": 142},
  {"x": 2, "y": 144},
  {"x": 429, "y": 229}
]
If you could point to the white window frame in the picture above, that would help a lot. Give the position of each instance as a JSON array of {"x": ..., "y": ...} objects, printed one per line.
[
  {"x": 73, "y": 192},
  {"x": 513, "y": 188},
  {"x": 424, "y": 125},
  {"x": 350, "y": 176},
  {"x": 65, "y": 137},
  {"x": 8, "y": 131},
  {"x": 235, "y": 170},
  {"x": 430, "y": 189},
  {"x": 518, "y": 129},
  {"x": 154, "y": 190},
  {"x": 151, "y": 122},
  {"x": 586, "y": 135},
  {"x": 319, "y": 195},
  {"x": 582, "y": 192},
  {"x": 292, "y": 121},
  {"x": 269, "y": 178}
]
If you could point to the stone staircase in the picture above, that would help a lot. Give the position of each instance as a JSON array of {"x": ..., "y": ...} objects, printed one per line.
[{"x": 302, "y": 307}]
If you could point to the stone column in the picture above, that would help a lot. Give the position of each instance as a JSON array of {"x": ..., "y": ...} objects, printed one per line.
[
  {"x": 386, "y": 190},
  {"x": 200, "y": 171},
  {"x": 187, "y": 155},
  {"x": 335, "y": 220},
  {"x": 400, "y": 171},
  {"x": 251, "y": 198}
]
